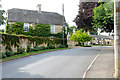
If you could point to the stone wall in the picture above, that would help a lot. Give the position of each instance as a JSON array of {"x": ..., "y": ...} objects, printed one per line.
[
  {"x": 71, "y": 44},
  {"x": 23, "y": 43},
  {"x": 58, "y": 28}
]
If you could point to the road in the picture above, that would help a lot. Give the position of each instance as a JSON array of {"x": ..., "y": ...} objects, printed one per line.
[{"x": 69, "y": 63}]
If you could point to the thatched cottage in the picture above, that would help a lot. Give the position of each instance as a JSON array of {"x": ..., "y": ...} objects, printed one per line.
[{"x": 30, "y": 17}]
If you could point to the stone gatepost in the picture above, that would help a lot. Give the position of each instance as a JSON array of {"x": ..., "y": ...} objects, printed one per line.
[{"x": 117, "y": 39}]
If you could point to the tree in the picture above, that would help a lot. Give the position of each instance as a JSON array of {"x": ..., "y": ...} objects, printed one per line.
[
  {"x": 70, "y": 29},
  {"x": 84, "y": 18},
  {"x": 2, "y": 18},
  {"x": 15, "y": 28},
  {"x": 80, "y": 37},
  {"x": 104, "y": 17}
]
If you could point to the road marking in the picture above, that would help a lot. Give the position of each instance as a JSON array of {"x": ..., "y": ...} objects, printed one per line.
[{"x": 85, "y": 73}]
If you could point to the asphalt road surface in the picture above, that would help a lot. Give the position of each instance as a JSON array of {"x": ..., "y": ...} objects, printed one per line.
[{"x": 69, "y": 63}]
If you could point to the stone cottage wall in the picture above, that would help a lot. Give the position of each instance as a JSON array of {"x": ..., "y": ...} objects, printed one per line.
[{"x": 23, "y": 44}]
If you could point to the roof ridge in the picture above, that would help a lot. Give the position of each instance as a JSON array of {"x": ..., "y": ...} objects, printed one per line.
[{"x": 33, "y": 10}]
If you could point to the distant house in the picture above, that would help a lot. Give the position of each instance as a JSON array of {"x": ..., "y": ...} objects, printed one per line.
[
  {"x": 101, "y": 39},
  {"x": 31, "y": 17}
]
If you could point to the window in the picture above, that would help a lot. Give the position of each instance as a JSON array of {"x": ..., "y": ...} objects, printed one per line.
[
  {"x": 95, "y": 38},
  {"x": 26, "y": 27},
  {"x": 101, "y": 38},
  {"x": 52, "y": 28}
]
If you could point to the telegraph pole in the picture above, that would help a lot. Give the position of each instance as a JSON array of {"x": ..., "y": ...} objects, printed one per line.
[{"x": 63, "y": 21}]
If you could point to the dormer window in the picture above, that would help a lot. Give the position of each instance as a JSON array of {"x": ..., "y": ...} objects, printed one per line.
[{"x": 26, "y": 27}]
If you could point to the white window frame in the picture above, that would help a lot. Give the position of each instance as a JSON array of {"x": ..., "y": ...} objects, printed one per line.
[
  {"x": 95, "y": 38},
  {"x": 52, "y": 28},
  {"x": 26, "y": 25},
  {"x": 101, "y": 38}
]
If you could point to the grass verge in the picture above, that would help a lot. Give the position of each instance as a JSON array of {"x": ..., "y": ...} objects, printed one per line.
[
  {"x": 29, "y": 54},
  {"x": 85, "y": 46}
]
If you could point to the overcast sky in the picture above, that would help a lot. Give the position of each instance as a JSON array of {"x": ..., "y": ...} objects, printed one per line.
[{"x": 70, "y": 6}]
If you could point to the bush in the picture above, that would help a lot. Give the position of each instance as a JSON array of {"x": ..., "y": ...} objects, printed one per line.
[
  {"x": 9, "y": 53},
  {"x": 42, "y": 48},
  {"x": 28, "y": 48},
  {"x": 66, "y": 45},
  {"x": 15, "y": 53},
  {"x": 4, "y": 55},
  {"x": 38, "y": 48},
  {"x": 34, "y": 49},
  {"x": 87, "y": 46},
  {"x": 20, "y": 50},
  {"x": 51, "y": 46},
  {"x": 62, "y": 46},
  {"x": 94, "y": 44},
  {"x": 57, "y": 40}
]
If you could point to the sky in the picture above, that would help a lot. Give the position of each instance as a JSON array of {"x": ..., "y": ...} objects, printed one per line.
[{"x": 70, "y": 7}]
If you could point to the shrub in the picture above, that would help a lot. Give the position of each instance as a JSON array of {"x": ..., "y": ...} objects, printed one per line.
[
  {"x": 87, "y": 46},
  {"x": 57, "y": 40},
  {"x": 62, "y": 46},
  {"x": 51, "y": 46},
  {"x": 34, "y": 49},
  {"x": 66, "y": 45},
  {"x": 15, "y": 53},
  {"x": 94, "y": 44},
  {"x": 4, "y": 55},
  {"x": 42, "y": 48},
  {"x": 9, "y": 53},
  {"x": 28, "y": 48},
  {"x": 20, "y": 50}
]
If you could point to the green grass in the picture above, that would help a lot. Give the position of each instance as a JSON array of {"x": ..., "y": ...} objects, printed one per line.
[
  {"x": 30, "y": 53},
  {"x": 86, "y": 46}
]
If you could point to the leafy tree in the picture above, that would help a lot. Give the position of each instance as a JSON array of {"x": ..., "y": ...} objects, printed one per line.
[
  {"x": 104, "y": 17},
  {"x": 70, "y": 29},
  {"x": 94, "y": 32},
  {"x": 2, "y": 18},
  {"x": 80, "y": 37},
  {"x": 15, "y": 28},
  {"x": 2, "y": 31},
  {"x": 84, "y": 18}
]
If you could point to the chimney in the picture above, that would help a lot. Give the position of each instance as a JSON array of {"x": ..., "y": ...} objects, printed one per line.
[{"x": 39, "y": 8}]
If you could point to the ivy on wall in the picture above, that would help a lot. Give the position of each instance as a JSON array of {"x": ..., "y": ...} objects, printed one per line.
[
  {"x": 9, "y": 40},
  {"x": 41, "y": 30},
  {"x": 15, "y": 28}
]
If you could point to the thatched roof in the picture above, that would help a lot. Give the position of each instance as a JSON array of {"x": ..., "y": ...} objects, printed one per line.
[
  {"x": 32, "y": 16},
  {"x": 99, "y": 37}
]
